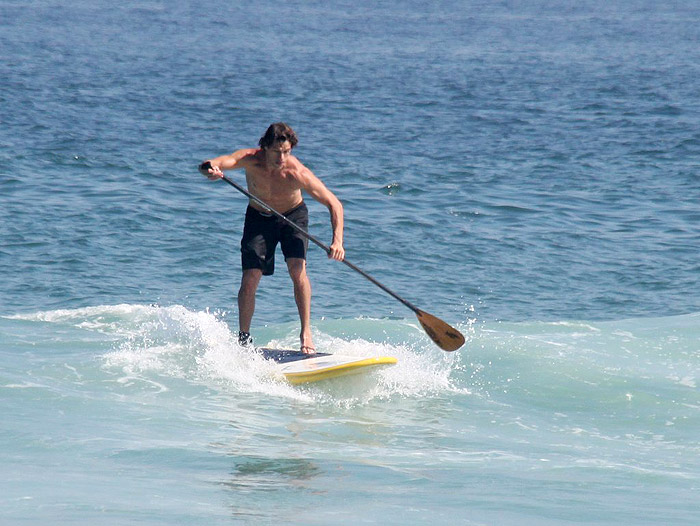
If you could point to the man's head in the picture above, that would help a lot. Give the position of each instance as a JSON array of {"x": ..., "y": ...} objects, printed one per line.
[
  {"x": 277, "y": 133},
  {"x": 277, "y": 143}
]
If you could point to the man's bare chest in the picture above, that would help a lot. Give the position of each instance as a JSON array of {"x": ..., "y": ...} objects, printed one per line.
[{"x": 271, "y": 184}]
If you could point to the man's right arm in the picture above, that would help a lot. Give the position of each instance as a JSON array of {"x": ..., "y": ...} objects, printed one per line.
[{"x": 214, "y": 168}]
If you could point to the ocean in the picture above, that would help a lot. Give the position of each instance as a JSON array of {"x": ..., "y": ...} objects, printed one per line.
[{"x": 528, "y": 172}]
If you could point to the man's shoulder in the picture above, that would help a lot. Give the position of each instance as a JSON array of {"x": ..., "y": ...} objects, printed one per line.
[
  {"x": 247, "y": 153},
  {"x": 247, "y": 157},
  {"x": 297, "y": 168}
]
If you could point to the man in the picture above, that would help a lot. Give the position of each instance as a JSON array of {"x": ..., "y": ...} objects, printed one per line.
[{"x": 277, "y": 178}]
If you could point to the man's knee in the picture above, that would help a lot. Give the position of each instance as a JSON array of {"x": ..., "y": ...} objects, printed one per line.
[
  {"x": 297, "y": 269},
  {"x": 250, "y": 279}
]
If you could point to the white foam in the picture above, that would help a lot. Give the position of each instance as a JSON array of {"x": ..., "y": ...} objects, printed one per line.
[{"x": 154, "y": 342}]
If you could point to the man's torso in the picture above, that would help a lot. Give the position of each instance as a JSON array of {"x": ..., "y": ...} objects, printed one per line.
[{"x": 279, "y": 189}]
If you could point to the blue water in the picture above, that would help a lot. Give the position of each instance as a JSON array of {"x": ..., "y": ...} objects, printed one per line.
[{"x": 528, "y": 172}]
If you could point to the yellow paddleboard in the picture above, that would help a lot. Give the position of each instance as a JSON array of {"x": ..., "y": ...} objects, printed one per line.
[{"x": 300, "y": 368}]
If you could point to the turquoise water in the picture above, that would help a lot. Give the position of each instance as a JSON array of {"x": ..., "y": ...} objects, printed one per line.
[{"x": 527, "y": 172}]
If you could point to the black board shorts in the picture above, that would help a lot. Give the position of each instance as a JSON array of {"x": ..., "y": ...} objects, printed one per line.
[{"x": 262, "y": 232}]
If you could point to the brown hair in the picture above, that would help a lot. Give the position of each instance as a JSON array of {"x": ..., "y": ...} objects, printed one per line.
[{"x": 278, "y": 132}]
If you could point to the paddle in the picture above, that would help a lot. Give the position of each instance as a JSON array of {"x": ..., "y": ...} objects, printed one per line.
[{"x": 444, "y": 336}]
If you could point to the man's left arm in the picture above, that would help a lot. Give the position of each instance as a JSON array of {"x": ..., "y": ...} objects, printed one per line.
[{"x": 316, "y": 189}]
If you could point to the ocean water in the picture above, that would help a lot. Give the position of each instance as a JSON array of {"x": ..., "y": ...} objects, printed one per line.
[{"x": 527, "y": 171}]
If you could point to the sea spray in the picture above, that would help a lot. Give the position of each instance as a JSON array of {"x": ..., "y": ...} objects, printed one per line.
[{"x": 151, "y": 341}]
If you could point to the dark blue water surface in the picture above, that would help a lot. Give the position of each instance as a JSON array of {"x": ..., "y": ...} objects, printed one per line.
[{"x": 536, "y": 160}]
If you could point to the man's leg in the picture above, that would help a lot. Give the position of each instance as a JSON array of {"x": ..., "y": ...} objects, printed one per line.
[
  {"x": 302, "y": 296},
  {"x": 246, "y": 298}
]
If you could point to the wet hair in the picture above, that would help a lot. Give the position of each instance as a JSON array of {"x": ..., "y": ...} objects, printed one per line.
[{"x": 276, "y": 133}]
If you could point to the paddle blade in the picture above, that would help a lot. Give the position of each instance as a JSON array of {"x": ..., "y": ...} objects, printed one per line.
[{"x": 446, "y": 337}]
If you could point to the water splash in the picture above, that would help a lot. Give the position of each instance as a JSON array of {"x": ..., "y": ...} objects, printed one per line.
[{"x": 155, "y": 345}]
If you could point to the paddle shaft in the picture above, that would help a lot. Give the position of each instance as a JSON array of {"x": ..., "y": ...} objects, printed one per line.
[{"x": 320, "y": 244}]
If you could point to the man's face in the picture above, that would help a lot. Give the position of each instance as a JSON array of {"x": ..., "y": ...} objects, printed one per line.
[{"x": 277, "y": 154}]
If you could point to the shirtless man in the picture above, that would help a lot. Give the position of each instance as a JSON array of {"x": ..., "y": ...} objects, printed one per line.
[{"x": 277, "y": 178}]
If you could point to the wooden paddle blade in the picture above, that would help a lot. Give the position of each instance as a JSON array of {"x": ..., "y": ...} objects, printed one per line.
[{"x": 446, "y": 337}]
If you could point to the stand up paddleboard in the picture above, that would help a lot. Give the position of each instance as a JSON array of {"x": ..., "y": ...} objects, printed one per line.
[{"x": 300, "y": 368}]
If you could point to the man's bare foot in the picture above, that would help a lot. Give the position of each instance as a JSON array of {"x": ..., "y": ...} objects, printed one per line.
[
  {"x": 307, "y": 350},
  {"x": 307, "y": 344}
]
